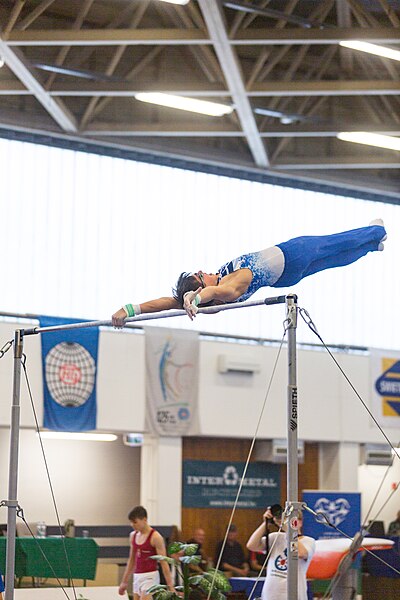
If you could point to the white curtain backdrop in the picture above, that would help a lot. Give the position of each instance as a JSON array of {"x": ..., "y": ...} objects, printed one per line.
[{"x": 83, "y": 234}]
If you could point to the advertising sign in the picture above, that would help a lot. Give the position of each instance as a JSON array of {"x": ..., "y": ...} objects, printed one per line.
[{"x": 215, "y": 484}]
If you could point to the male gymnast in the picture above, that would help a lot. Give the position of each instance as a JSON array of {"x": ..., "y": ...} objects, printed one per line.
[{"x": 282, "y": 265}]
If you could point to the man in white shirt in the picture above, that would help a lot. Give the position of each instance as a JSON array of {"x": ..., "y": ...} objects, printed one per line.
[{"x": 275, "y": 585}]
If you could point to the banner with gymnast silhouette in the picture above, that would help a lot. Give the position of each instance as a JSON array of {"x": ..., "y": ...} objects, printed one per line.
[
  {"x": 172, "y": 366},
  {"x": 69, "y": 360},
  {"x": 385, "y": 387}
]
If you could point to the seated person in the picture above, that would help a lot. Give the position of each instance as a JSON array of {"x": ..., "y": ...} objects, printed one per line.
[
  {"x": 233, "y": 561},
  {"x": 256, "y": 562},
  {"x": 394, "y": 526},
  {"x": 198, "y": 538}
]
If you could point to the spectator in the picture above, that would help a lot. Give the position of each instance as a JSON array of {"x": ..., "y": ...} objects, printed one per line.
[
  {"x": 199, "y": 536},
  {"x": 233, "y": 561},
  {"x": 275, "y": 584},
  {"x": 145, "y": 542},
  {"x": 394, "y": 526},
  {"x": 256, "y": 562}
]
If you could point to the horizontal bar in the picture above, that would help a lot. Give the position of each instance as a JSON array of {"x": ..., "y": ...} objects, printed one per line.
[{"x": 159, "y": 315}]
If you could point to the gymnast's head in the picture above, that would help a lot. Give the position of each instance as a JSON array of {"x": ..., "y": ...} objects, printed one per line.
[{"x": 189, "y": 282}]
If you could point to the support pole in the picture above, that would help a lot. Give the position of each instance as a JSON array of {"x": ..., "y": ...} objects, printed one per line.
[
  {"x": 12, "y": 502},
  {"x": 292, "y": 504}
]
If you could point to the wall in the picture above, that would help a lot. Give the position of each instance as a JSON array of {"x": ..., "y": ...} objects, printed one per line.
[
  {"x": 370, "y": 478},
  {"x": 94, "y": 482},
  {"x": 229, "y": 406},
  {"x": 214, "y": 520}
]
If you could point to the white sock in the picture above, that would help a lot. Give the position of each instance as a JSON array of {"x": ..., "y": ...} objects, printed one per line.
[{"x": 381, "y": 224}]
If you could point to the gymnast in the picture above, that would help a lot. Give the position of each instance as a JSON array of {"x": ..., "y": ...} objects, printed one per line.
[{"x": 282, "y": 265}]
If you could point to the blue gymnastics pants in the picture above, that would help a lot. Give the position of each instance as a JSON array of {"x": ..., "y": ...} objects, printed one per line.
[{"x": 307, "y": 255}]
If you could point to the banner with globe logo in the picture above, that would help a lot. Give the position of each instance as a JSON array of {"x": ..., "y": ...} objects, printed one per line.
[
  {"x": 172, "y": 365},
  {"x": 69, "y": 359}
]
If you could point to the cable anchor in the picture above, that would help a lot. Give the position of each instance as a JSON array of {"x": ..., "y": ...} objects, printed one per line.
[{"x": 6, "y": 348}]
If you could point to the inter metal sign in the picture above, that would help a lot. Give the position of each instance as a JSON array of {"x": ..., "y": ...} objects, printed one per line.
[{"x": 214, "y": 484}]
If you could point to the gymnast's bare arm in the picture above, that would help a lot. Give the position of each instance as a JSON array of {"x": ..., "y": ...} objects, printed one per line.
[
  {"x": 229, "y": 289},
  {"x": 157, "y": 305}
]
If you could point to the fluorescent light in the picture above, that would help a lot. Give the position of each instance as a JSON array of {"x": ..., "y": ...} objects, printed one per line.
[
  {"x": 176, "y": 1},
  {"x": 203, "y": 107},
  {"x": 370, "y": 139},
  {"x": 89, "y": 437},
  {"x": 372, "y": 49}
]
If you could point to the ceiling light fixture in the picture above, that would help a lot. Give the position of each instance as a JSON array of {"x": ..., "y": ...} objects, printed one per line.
[
  {"x": 182, "y": 2},
  {"x": 88, "y": 437},
  {"x": 372, "y": 49},
  {"x": 2, "y": 62},
  {"x": 371, "y": 139},
  {"x": 213, "y": 109}
]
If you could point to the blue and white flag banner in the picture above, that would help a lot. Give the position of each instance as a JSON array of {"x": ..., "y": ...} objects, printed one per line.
[
  {"x": 69, "y": 359},
  {"x": 343, "y": 510},
  {"x": 385, "y": 387},
  {"x": 172, "y": 372}
]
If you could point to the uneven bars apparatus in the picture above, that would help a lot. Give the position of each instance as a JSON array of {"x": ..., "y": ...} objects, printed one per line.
[{"x": 292, "y": 504}]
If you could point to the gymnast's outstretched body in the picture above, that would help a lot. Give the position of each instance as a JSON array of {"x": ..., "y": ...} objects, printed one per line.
[{"x": 282, "y": 265}]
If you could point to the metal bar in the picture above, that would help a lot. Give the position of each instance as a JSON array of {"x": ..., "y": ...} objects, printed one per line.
[
  {"x": 12, "y": 502},
  {"x": 112, "y": 37},
  {"x": 232, "y": 71},
  {"x": 160, "y": 315},
  {"x": 292, "y": 466},
  {"x": 219, "y": 336}
]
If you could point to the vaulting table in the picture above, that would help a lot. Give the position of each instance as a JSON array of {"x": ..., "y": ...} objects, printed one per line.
[{"x": 30, "y": 562}]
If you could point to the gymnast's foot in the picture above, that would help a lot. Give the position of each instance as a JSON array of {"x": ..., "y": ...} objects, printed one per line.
[{"x": 381, "y": 224}]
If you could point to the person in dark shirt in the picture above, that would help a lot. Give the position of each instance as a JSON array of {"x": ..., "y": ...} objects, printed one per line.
[
  {"x": 394, "y": 526},
  {"x": 233, "y": 561}
]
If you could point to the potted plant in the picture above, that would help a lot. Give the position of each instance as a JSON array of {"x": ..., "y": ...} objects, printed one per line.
[{"x": 182, "y": 556}]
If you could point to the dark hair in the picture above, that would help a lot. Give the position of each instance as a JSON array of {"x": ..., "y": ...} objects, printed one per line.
[
  {"x": 186, "y": 283},
  {"x": 277, "y": 511},
  {"x": 139, "y": 512}
]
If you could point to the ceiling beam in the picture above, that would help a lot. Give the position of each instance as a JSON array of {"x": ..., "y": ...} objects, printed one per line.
[
  {"x": 107, "y": 37},
  {"x": 21, "y": 69},
  {"x": 217, "y": 90},
  {"x": 377, "y": 35},
  {"x": 164, "y": 129},
  {"x": 325, "y": 88},
  {"x": 214, "y": 20},
  {"x": 205, "y": 128},
  {"x": 337, "y": 162},
  {"x": 111, "y": 37}
]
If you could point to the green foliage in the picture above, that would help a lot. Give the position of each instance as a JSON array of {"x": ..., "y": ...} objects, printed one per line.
[
  {"x": 220, "y": 581},
  {"x": 191, "y": 560},
  {"x": 159, "y": 557},
  {"x": 185, "y": 549},
  {"x": 213, "y": 581}
]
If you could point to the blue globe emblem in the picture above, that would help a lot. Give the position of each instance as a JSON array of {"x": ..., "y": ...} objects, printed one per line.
[{"x": 70, "y": 374}]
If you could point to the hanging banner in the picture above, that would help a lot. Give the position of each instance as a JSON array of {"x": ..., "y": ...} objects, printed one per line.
[
  {"x": 385, "y": 388},
  {"x": 343, "y": 510},
  {"x": 172, "y": 365},
  {"x": 214, "y": 484},
  {"x": 69, "y": 359}
]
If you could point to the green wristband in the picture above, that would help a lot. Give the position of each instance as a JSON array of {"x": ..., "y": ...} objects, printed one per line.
[
  {"x": 197, "y": 300},
  {"x": 130, "y": 311}
]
